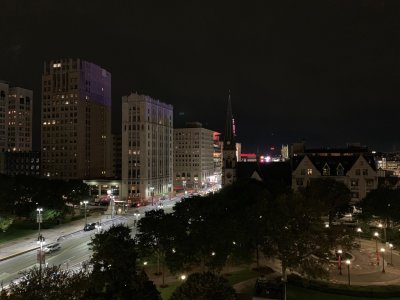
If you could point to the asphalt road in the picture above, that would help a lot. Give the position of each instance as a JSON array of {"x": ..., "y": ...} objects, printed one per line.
[{"x": 74, "y": 246}]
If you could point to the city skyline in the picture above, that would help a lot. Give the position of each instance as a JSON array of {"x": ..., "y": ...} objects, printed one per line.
[{"x": 323, "y": 73}]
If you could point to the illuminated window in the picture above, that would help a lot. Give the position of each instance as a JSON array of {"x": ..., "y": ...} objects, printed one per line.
[
  {"x": 354, "y": 182},
  {"x": 309, "y": 171}
]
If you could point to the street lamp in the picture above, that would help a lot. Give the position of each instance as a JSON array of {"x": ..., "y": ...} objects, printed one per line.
[
  {"x": 340, "y": 261},
  {"x": 184, "y": 186},
  {"x": 383, "y": 259},
  {"x": 348, "y": 270},
  {"x": 39, "y": 218},
  {"x": 169, "y": 191},
  {"x": 85, "y": 203},
  {"x": 376, "y": 235},
  {"x": 359, "y": 230},
  {"x": 40, "y": 240},
  {"x": 152, "y": 195},
  {"x": 98, "y": 226},
  {"x": 391, "y": 254}
]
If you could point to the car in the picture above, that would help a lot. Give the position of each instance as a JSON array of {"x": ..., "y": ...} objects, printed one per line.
[
  {"x": 89, "y": 226},
  {"x": 52, "y": 247}
]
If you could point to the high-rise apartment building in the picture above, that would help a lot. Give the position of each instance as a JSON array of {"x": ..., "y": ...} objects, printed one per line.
[
  {"x": 147, "y": 140},
  {"x": 76, "y": 120},
  {"x": 193, "y": 157},
  {"x": 16, "y": 109}
]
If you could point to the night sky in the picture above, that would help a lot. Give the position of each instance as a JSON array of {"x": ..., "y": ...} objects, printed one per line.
[{"x": 326, "y": 72}]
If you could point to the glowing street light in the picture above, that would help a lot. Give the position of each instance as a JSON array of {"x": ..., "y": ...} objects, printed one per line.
[
  {"x": 85, "y": 203},
  {"x": 340, "y": 261},
  {"x": 359, "y": 230},
  {"x": 391, "y": 254},
  {"x": 98, "y": 226},
  {"x": 169, "y": 191},
  {"x": 376, "y": 235},
  {"x": 183, "y": 277},
  {"x": 348, "y": 270},
  {"x": 383, "y": 259},
  {"x": 40, "y": 241}
]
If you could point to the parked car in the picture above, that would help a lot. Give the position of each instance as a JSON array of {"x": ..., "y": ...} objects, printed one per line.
[
  {"x": 52, "y": 247},
  {"x": 89, "y": 226}
]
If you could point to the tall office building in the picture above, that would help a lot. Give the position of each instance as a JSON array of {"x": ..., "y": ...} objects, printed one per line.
[
  {"x": 76, "y": 120},
  {"x": 16, "y": 108},
  {"x": 147, "y": 140},
  {"x": 20, "y": 114},
  {"x": 193, "y": 156},
  {"x": 4, "y": 91}
]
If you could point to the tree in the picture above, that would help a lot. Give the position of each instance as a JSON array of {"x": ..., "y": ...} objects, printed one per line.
[
  {"x": 156, "y": 237},
  {"x": 293, "y": 225},
  {"x": 115, "y": 274},
  {"x": 204, "y": 286},
  {"x": 50, "y": 283},
  {"x": 383, "y": 202},
  {"x": 329, "y": 195},
  {"x": 5, "y": 222}
]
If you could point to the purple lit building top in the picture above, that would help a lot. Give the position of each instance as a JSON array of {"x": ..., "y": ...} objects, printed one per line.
[{"x": 95, "y": 83}]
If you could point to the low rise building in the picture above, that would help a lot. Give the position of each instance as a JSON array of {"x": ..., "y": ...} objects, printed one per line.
[{"x": 354, "y": 167}]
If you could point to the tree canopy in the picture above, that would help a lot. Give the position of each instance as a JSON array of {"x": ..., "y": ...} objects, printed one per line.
[
  {"x": 115, "y": 274},
  {"x": 204, "y": 286}
]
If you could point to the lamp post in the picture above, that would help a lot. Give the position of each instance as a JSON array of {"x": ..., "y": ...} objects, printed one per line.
[
  {"x": 98, "y": 226},
  {"x": 348, "y": 270},
  {"x": 340, "y": 261},
  {"x": 391, "y": 254},
  {"x": 376, "y": 235},
  {"x": 382, "y": 228},
  {"x": 383, "y": 259},
  {"x": 359, "y": 230},
  {"x": 136, "y": 220},
  {"x": 152, "y": 194},
  {"x": 39, "y": 218},
  {"x": 40, "y": 241},
  {"x": 85, "y": 203},
  {"x": 184, "y": 187},
  {"x": 169, "y": 191}
]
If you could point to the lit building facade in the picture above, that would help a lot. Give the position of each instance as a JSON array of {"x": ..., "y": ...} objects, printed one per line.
[
  {"x": 355, "y": 168},
  {"x": 76, "y": 120},
  {"x": 20, "y": 113},
  {"x": 147, "y": 148},
  {"x": 193, "y": 157},
  {"x": 4, "y": 91},
  {"x": 20, "y": 163},
  {"x": 217, "y": 157},
  {"x": 16, "y": 109}
]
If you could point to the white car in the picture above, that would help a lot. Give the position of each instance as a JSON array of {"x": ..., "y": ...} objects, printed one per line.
[{"x": 52, "y": 247}]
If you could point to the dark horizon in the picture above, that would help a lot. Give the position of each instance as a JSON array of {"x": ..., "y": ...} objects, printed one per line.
[{"x": 325, "y": 72}]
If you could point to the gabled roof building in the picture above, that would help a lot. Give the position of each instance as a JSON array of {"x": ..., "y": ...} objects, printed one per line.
[{"x": 356, "y": 169}]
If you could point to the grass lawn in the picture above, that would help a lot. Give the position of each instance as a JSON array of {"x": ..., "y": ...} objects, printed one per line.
[
  {"x": 233, "y": 278},
  {"x": 240, "y": 276},
  {"x": 13, "y": 233},
  {"x": 167, "y": 292},
  {"x": 298, "y": 293}
]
